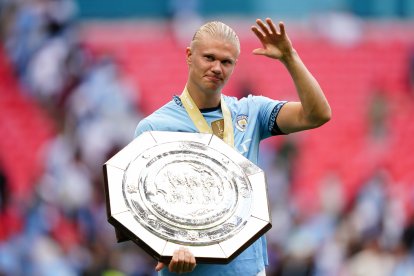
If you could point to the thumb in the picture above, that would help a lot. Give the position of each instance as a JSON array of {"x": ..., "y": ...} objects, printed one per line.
[
  {"x": 159, "y": 266},
  {"x": 258, "y": 51}
]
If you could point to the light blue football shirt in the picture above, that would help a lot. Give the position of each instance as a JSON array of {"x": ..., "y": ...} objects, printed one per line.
[{"x": 253, "y": 118}]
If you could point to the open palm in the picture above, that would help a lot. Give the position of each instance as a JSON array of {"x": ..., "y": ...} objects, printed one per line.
[{"x": 275, "y": 44}]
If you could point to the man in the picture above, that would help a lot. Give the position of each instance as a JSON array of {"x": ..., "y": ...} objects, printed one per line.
[{"x": 243, "y": 123}]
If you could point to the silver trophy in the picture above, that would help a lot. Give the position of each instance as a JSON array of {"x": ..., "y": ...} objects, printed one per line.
[{"x": 170, "y": 189}]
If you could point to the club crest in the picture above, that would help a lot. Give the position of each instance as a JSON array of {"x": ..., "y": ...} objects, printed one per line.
[{"x": 241, "y": 122}]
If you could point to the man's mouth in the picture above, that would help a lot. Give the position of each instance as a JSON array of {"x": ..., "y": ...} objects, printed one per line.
[{"x": 214, "y": 78}]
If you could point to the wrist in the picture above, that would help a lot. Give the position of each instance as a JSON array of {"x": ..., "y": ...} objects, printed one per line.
[{"x": 290, "y": 57}]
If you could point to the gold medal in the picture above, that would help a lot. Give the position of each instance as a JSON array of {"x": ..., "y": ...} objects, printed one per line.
[{"x": 225, "y": 133}]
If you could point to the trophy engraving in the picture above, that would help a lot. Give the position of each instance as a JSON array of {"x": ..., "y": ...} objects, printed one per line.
[{"x": 186, "y": 189}]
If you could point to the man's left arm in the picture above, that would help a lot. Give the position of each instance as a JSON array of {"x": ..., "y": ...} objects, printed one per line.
[{"x": 313, "y": 110}]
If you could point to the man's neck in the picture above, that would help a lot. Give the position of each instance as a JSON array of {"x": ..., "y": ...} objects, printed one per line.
[{"x": 202, "y": 99}]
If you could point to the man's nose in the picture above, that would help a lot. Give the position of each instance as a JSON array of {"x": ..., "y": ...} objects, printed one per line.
[{"x": 216, "y": 67}]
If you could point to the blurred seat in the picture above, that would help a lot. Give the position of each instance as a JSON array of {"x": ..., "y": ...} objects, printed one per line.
[{"x": 24, "y": 129}]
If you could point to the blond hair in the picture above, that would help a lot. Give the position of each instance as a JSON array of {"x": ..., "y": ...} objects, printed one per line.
[{"x": 217, "y": 29}]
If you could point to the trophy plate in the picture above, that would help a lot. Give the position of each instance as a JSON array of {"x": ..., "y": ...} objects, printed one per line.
[{"x": 169, "y": 189}]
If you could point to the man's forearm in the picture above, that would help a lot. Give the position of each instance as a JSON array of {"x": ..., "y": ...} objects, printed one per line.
[{"x": 316, "y": 109}]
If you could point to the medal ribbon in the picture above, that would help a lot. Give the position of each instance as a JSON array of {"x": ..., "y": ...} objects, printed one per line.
[{"x": 201, "y": 123}]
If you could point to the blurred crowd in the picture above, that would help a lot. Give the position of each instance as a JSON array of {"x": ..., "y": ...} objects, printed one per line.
[
  {"x": 368, "y": 236},
  {"x": 95, "y": 110}
]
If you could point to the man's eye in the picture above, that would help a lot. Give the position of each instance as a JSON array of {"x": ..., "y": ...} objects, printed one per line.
[{"x": 209, "y": 58}]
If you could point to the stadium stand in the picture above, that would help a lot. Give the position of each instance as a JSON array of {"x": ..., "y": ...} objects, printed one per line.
[{"x": 53, "y": 199}]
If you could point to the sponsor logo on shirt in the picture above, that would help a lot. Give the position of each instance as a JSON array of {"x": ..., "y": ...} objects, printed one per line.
[{"x": 241, "y": 122}]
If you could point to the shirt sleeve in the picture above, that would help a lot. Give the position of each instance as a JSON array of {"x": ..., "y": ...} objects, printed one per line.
[
  {"x": 143, "y": 126},
  {"x": 273, "y": 127},
  {"x": 268, "y": 110}
]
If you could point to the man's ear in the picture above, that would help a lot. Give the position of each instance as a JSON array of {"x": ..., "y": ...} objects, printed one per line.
[{"x": 188, "y": 54}]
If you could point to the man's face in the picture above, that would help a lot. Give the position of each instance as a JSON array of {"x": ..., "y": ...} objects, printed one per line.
[{"x": 211, "y": 62}]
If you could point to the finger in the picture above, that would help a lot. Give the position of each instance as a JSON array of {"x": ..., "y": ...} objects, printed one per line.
[
  {"x": 159, "y": 266},
  {"x": 187, "y": 267},
  {"x": 173, "y": 263},
  {"x": 258, "y": 33},
  {"x": 263, "y": 26},
  {"x": 271, "y": 25},
  {"x": 282, "y": 28},
  {"x": 259, "y": 51},
  {"x": 181, "y": 260},
  {"x": 193, "y": 263}
]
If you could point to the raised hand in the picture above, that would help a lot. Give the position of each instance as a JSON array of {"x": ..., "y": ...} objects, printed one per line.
[{"x": 275, "y": 44}]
